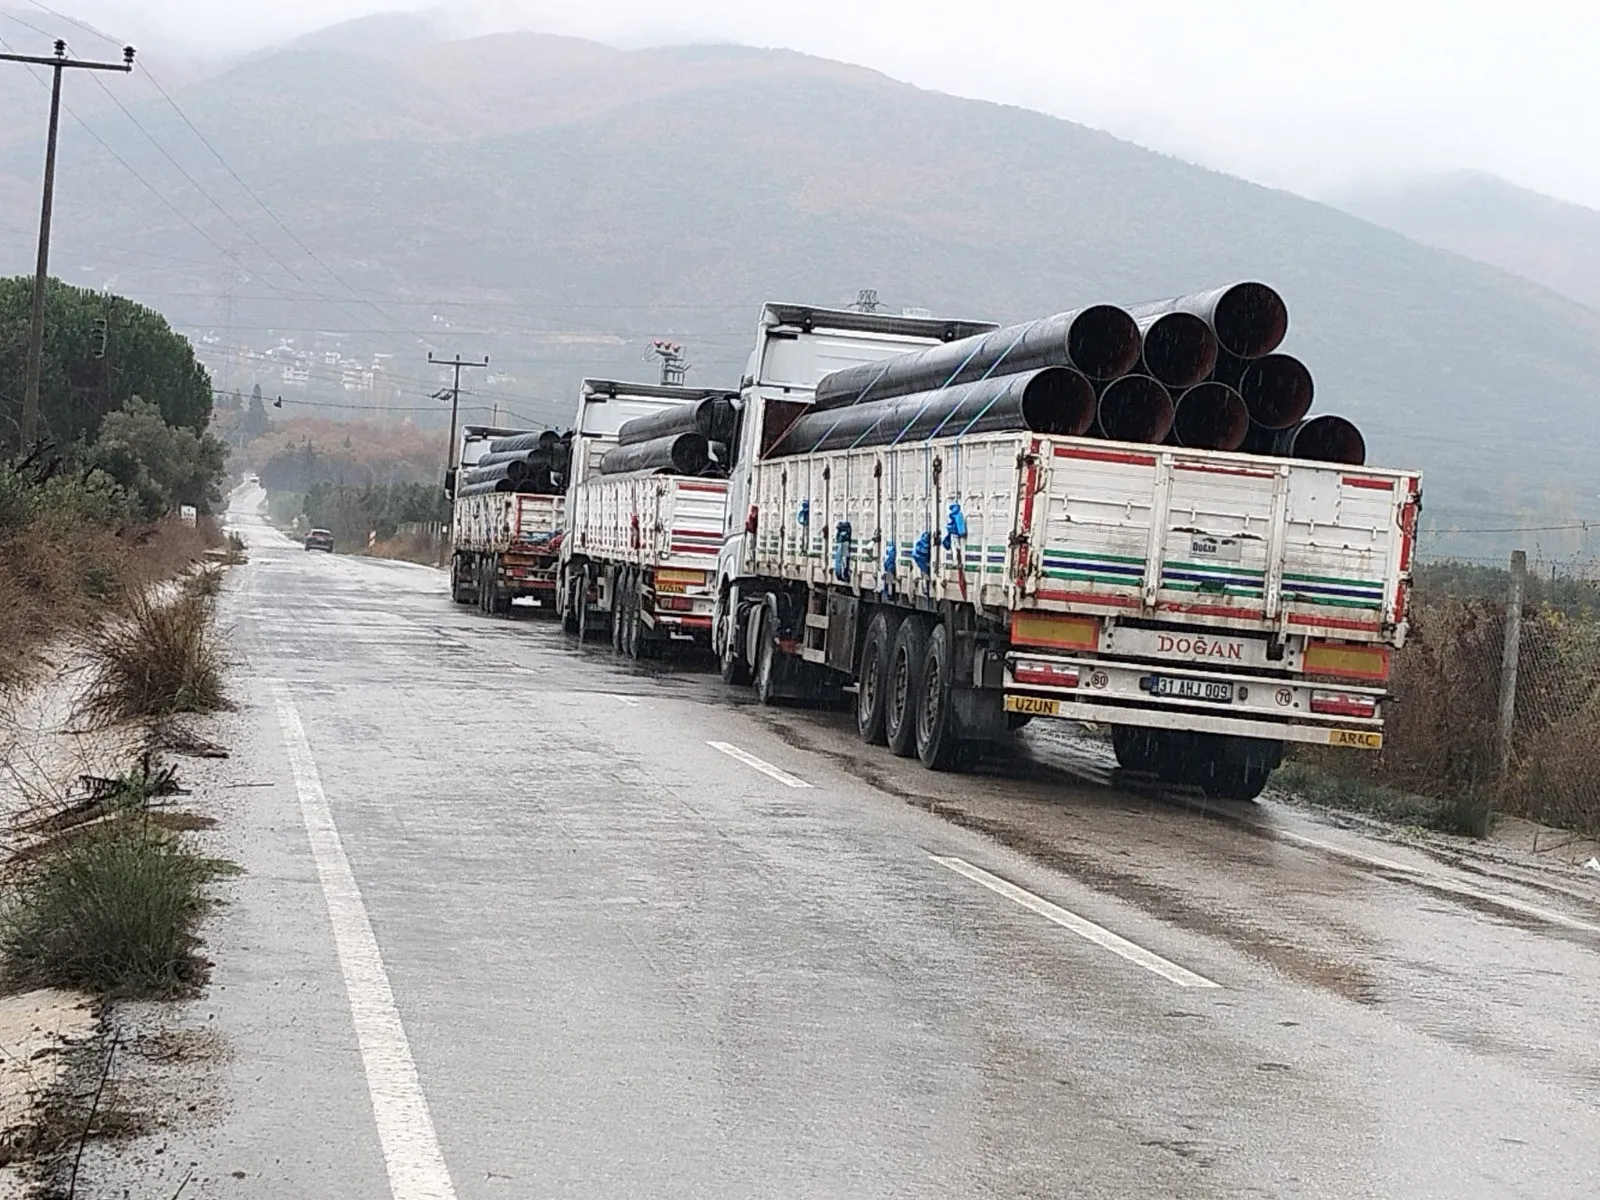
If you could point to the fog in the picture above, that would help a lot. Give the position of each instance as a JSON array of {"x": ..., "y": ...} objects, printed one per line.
[{"x": 1313, "y": 96}]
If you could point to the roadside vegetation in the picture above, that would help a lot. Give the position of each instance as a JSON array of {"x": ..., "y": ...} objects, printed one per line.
[
  {"x": 161, "y": 657},
  {"x": 1439, "y": 767}
]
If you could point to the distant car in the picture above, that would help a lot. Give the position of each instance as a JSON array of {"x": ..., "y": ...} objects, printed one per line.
[{"x": 319, "y": 539}]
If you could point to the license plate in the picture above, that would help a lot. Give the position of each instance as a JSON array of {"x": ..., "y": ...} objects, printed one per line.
[
  {"x": 1180, "y": 688},
  {"x": 1360, "y": 739},
  {"x": 1033, "y": 706}
]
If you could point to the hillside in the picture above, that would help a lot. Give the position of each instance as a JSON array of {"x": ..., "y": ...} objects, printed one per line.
[
  {"x": 1549, "y": 241},
  {"x": 531, "y": 197}
]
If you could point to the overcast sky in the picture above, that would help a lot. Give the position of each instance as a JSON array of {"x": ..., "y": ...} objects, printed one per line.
[{"x": 1310, "y": 95}]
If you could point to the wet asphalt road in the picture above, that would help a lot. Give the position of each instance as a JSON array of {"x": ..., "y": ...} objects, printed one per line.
[{"x": 626, "y": 963}]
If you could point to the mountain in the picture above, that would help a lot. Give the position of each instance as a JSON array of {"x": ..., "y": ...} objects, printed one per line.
[
  {"x": 555, "y": 203},
  {"x": 1549, "y": 241}
]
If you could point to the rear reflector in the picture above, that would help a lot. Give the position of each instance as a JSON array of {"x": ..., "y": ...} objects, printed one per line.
[
  {"x": 679, "y": 576},
  {"x": 1044, "y": 674},
  {"x": 1344, "y": 704},
  {"x": 1058, "y": 632},
  {"x": 1347, "y": 662}
]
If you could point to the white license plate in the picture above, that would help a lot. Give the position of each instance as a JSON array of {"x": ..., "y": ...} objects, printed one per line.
[{"x": 1180, "y": 688}]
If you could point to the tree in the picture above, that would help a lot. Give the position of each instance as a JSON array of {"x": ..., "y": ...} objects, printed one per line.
[
  {"x": 100, "y": 351},
  {"x": 159, "y": 465},
  {"x": 256, "y": 421}
]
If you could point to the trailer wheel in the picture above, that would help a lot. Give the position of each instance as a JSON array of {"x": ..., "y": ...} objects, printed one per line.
[
  {"x": 458, "y": 593},
  {"x": 633, "y": 630},
  {"x": 872, "y": 681},
  {"x": 1236, "y": 781},
  {"x": 586, "y": 627},
  {"x": 1137, "y": 748},
  {"x": 499, "y": 598},
  {"x": 938, "y": 738},
  {"x": 903, "y": 694},
  {"x": 619, "y": 610}
]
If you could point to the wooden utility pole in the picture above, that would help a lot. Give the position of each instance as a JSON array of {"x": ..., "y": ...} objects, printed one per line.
[
  {"x": 454, "y": 393},
  {"x": 58, "y": 62},
  {"x": 1508, "y": 657}
]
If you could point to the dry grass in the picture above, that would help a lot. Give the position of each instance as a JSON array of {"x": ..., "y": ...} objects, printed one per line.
[
  {"x": 407, "y": 547},
  {"x": 161, "y": 657},
  {"x": 55, "y": 581}
]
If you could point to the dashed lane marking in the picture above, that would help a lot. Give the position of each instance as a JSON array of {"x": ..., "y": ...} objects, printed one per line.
[
  {"x": 1081, "y": 926},
  {"x": 630, "y": 701},
  {"x": 406, "y": 1134},
  {"x": 766, "y": 768}
]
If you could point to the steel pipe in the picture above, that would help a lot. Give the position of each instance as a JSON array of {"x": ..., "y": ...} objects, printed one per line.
[
  {"x": 1053, "y": 400},
  {"x": 714, "y": 417},
  {"x": 1277, "y": 388},
  {"x": 526, "y": 441},
  {"x": 1134, "y": 408},
  {"x": 1249, "y": 319},
  {"x": 1101, "y": 342},
  {"x": 1325, "y": 439},
  {"x": 683, "y": 453},
  {"x": 1210, "y": 416},
  {"x": 1179, "y": 348}
]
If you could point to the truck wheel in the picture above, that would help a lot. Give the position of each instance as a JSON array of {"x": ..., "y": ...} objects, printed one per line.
[
  {"x": 1137, "y": 748},
  {"x": 499, "y": 598},
  {"x": 1236, "y": 781},
  {"x": 633, "y": 628},
  {"x": 585, "y": 612},
  {"x": 938, "y": 740},
  {"x": 1233, "y": 768},
  {"x": 735, "y": 671},
  {"x": 569, "y": 611},
  {"x": 767, "y": 665},
  {"x": 872, "y": 681},
  {"x": 619, "y": 610},
  {"x": 903, "y": 693}
]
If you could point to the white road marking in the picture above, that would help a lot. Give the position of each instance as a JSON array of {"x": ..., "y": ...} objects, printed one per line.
[
  {"x": 1081, "y": 926},
  {"x": 405, "y": 1129},
  {"x": 628, "y": 700},
  {"x": 766, "y": 768}
]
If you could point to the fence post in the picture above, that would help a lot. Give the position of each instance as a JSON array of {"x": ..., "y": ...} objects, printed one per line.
[{"x": 1508, "y": 658}]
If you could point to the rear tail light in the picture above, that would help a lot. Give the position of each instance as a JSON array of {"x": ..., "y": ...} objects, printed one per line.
[
  {"x": 675, "y": 603},
  {"x": 1344, "y": 704},
  {"x": 1044, "y": 674}
]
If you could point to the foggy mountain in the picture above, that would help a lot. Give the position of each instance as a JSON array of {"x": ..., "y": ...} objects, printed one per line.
[
  {"x": 555, "y": 204},
  {"x": 1549, "y": 241}
]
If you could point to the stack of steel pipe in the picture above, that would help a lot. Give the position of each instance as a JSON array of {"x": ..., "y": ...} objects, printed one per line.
[
  {"x": 536, "y": 462},
  {"x": 1200, "y": 371},
  {"x": 685, "y": 439}
]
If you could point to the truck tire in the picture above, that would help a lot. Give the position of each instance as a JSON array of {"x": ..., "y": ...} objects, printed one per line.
[
  {"x": 586, "y": 628},
  {"x": 569, "y": 610},
  {"x": 767, "y": 665},
  {"x": 735, "y": 671},
  {"x": 619, "y": 610},
  {"x": 1236, "y": 781},
  {"x": 938, "y": 737},
  {"x": 499, "y": 599},
  {"x": 1137, "y": 748},
  {"x": 903, "y": 693},
  {"x": 633, "y": 641},
  {"x": 873, "y": 677},
  {"x": 1233, "y": 768}
]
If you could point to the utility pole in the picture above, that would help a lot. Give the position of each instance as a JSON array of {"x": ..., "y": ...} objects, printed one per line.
[
  {"x": 867, "y": 301},
  {"x": 1508, "y": 659},
  {"x": 454, "y": 394},
  {"x": 58, "y": 63}
]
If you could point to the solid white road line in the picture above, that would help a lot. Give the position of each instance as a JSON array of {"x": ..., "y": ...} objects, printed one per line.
[
  {"x": 405, "y": 1129},
  {"x": 766, "y": 768},
  {"x": 1084, "y": 928},
  {"x": 628, "y": 700}
]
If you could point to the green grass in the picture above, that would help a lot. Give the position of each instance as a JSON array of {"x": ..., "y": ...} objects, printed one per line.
[
  {"x": 113, "y": 909},
  {"x": 1469, "y": 813}
]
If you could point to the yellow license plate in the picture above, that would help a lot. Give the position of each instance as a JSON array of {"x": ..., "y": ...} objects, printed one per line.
[
  {"x": 1033, "y": 706},
  {"x": 1360, "y": 739}
]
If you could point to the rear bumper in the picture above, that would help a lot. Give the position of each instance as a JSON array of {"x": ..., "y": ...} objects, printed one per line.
[{"x": 1119, "y": 693}]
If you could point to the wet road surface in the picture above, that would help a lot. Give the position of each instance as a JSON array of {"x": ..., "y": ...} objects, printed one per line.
[{"x": 519, "y": 920}]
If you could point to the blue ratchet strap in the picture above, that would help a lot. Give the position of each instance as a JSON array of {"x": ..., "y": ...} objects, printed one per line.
[
  {"x": 843, "y": 408},
  {"x": 922, "y": 552},
  {"x": 1026, "y": 329},
  {"x": 841, "y": 552}
]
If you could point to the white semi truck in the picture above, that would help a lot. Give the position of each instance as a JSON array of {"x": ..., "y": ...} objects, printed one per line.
[
  {"x": 639, "y": 553},
  {"x": 503, "y": 545},
  {"x": 1208, "y": 606}
]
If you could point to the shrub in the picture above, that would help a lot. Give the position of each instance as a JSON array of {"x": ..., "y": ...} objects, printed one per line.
[{"x": 113, "y": 910}]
